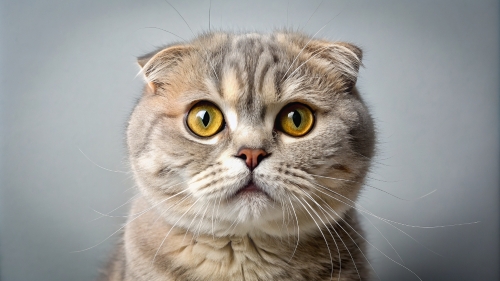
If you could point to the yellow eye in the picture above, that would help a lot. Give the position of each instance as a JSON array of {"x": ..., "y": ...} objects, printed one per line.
[
  {"x": 295, "y": 119},
  {"x": 205, "y": 119}
]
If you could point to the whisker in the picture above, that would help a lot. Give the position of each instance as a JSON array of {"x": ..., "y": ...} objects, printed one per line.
[
  {"x": 228, "y": 230},
  {"x": 289, "y": 218},
  {"x": 180, "y": 15},
  {"x": 312, "y": 37},
  {"x": 317, "y": 7},
  {"x": 197, "y": 231},
  {"x": 206, "y": 52},
  {"x": 297, "y": 56},
  {"x": 163, "y": 241},
  {"x": 407, "y": 235},
  {"x": 298, "y": 229},
  {"x": 164, "y": 30},
  {"x": 108, "y": 213},
  {"x": 324, "y": 211},
  {"x": 340, "y": 217},
  {"x": 102, "y": 215},
  {"x": 217, "y": 213},
  {"x": 333, "y": 228},
  {"x": 170, "y": 207},
  {"x": 380, "y": 232},
  {"x": 400, "y": 264},
  {"x": 373, "y": 160},
  {"x": 283, "y": 225},
  {"x": 381, "y": 190},
  {"x": 213, "y": 210},
  {"x": 324, "y": 238},
  {"x": 310, "y": 58},
  {"x": 189, "y": 226},
  {"x": 163, "y": 200},
  {"x": 389, "y": 222},
  {"x": 375, "y": 179},
  {"x": 136, "y": 217},
  {"x": 106, "y": 169},
  {"x": 425, "y": 195},
  {"x": 209, "y": 17},
  {"x": 287, "y": 7},
  {"x": 363, "y": 209}
]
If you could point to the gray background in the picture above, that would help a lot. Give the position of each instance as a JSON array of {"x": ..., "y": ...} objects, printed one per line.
[{"x": 68, "y": 84}]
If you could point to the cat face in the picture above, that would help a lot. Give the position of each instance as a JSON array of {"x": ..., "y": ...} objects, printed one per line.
[{"x": 241, "y": 133}]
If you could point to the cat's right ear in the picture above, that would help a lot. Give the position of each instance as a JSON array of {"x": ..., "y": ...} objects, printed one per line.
[{"x": 155, "y": 65}]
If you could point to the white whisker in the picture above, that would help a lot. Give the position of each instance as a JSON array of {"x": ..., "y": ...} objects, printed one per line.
[
  {"x": 333, "y": 228},
  {"x": 340, "y": 217},
  {"x": 189, "y": 226},
  {"x": 213, "y": 217},
  {"x": 324, "y": 238},
  {"x": 381, "y": 234},
  {"x": 108, "y": 213},
  {"x": 310, "y": 58},
  {"x": 362, "y": 209},
  {"x": 389, "y": 222},
  {"x": 170, "y": 207},
  {"x": 106, "y": 169},
  {"x": 164, "y": 30},
  {"x": 197, "y": 232},
  {"x": 136, "y": 216},
  {"x": 298, "y": 229},
  {"x": 317, "y": 7},
  {"x": 312, "y": 37},
  {"x": 381, "y": 190},
  {"x": 297, "y": 56},
  {"x": 165, "y": 238}
]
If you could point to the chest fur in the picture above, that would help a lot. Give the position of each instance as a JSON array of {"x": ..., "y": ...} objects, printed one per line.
[{"x": 152, "y": 255}]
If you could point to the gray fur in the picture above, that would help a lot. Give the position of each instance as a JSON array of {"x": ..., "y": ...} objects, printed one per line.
[{"x": 188, "y": 184}]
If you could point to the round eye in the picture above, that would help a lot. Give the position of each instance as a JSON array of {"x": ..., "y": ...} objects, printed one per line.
[
  {"x": 295, "y": 119},
  {"x": 205, "y": 119}
]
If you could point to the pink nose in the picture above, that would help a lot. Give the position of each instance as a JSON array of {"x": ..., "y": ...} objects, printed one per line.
[{"x": 252, "y": 157}]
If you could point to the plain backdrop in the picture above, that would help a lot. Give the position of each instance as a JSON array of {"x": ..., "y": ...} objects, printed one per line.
[{"x": 68, "y": 83}]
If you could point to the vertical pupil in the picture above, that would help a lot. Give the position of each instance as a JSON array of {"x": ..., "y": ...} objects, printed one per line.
[
  {"x": 204, "y": 116},
  {"x": 296, "y": 118}
]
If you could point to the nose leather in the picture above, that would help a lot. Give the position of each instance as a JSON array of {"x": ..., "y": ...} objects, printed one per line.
[{"x": 252, "y": 157}]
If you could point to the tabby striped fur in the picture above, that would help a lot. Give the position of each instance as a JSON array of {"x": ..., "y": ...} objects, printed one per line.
[{"x": 188, "y": 224}]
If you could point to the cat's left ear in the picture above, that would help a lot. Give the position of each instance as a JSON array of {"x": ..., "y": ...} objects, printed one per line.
[
  {"x": 142, "y": 61},
  {"x": 343, "y": 57},
  {"x": 155, "y": 65}
]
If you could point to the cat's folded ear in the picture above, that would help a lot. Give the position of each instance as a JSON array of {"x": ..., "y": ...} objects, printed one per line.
[
  {"x": 155, "y": 65},
  {"x": 341, "y": 56}
]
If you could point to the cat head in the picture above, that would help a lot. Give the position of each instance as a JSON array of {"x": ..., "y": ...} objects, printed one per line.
[{"x": 251, "y": 133}]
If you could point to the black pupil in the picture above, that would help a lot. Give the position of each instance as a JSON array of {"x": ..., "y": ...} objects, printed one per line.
[
  {"x": 296, "y": 118},
  {"x": 205, "y": 118}
]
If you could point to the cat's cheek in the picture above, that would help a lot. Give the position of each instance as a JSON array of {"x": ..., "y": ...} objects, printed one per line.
[{"x": 147, "y": 163}]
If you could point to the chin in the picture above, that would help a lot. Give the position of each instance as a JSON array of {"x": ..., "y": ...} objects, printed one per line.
[{"x": 252, "y": 212}]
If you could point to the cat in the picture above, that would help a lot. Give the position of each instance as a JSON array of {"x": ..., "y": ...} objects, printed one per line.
[{"x": 249, "y": 151}]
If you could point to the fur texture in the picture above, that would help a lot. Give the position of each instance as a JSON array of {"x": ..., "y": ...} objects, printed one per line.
[{"x": 191, "y": 222}]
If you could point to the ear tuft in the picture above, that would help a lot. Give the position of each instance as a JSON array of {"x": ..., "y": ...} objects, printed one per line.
[
  {"x": 155, "y": 65},
  {"x": 353, "y": 48},
  {"x": 341, "y": 57},
  {"x": 352, "y": 62}
]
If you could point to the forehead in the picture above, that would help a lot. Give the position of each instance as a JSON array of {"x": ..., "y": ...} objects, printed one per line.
[
  {"x": 250, "y": 74},
  {"x": 247, "y": 73}
]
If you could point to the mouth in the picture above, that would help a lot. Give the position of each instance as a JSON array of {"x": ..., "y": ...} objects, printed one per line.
[{"x": 251, "y": 189}]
